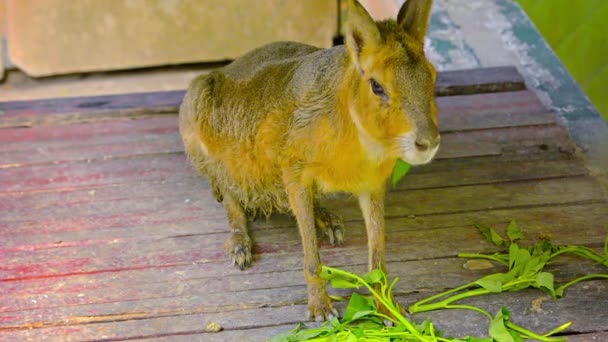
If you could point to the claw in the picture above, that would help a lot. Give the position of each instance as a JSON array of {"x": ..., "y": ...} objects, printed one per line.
[
  {"x": 331, "y": 225},
  {"x": 238, "y": 248},
  {"x": 320, "y": 308}
]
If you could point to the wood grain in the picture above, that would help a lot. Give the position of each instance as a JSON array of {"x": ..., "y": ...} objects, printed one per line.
[{"x": 107, "y": 232}]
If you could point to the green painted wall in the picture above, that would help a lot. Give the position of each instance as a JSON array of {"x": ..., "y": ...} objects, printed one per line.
[{"x": 577, "y": 31}]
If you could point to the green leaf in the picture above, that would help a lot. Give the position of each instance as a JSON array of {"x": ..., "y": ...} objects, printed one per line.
[
  {"x": 520, "y": 260},
  {"x": 307, "y": 334},
  {"x": 356, "y": 305},
  {"x": 374, "y": 276},
  {"x": 514, "y": 232},
  {"x": 491, "y": 235},
  {"x": 513, "y": 251},
  {"x": 545, "y": 281},
  {"x": 340, "y": 283},
  {"x": 536, "y": 264},
  {"x": 516, "y": 336},
  {"x": 401, "y": 169},
  {"x": 498, "y": 331},
  {"x": 494, "y": 282},
  {"x": 424, "y": 326},
  {"x": 352, "y": 337},
  {"x": 286, "y": 336},
  {"x": 358, "y": 331}
]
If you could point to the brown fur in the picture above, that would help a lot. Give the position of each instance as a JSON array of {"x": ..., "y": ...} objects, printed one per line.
[{"x": 288, "y": 122}]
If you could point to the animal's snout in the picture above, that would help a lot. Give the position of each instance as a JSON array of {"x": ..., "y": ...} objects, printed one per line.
[{"x": 424, "y": 144}]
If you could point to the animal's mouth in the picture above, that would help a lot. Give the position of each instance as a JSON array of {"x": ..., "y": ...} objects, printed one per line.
[{"x": 420, "y": 157}]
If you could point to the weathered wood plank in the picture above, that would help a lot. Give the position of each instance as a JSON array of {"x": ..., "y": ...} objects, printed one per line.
[
  {"x": 229, "y": 293},
  {"x": 81, "y": 183},
  {"x": 87, "y": 175},
  {"x": 482, "y": 197},
  {"x": 278, "y": 250},
  {"x": 545, "y": 316},
  {"x": 263, "y": 334},
  {"x": 99, "y": 148},
  {"x": 82, "y": 109},
  {"x": 108, "y": 233},
  {"x": 188, "y": 198},
  {"x": 494, "y": 110},
  {"x": 555, "y": 222},
  {"x": 15, "y": 139},
  {"x": 590, "y": 337},
  {"x": 455, "y": 145},
  {"x": 476, "y": 81},
  {"x": 475, "y": 111},
  {"x": 498, "y": 103},
  {"x": 224, "y": 292},
  {"x": 119, "y": 138}
]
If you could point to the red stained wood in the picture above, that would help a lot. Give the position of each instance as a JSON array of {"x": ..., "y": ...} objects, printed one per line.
[
  {"x": 122, "y": 138},
  {"x": 108, "y": 233}
]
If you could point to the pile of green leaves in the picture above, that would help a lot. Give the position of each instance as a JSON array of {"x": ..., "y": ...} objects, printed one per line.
[{"x": 363, "y": 322}]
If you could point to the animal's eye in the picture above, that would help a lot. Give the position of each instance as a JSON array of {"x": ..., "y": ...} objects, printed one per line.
[{"x": 377, "y": 88}]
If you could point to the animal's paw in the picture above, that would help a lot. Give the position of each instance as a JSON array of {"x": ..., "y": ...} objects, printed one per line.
[
  {"x": 238, "y": 248},
  {"x": 320, "y": 308},
  {"x": 331, "y": 225}
]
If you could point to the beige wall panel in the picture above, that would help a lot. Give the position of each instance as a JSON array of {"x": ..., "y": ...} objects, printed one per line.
[
  {"x": 2, "y": 15},
  {"x": 49, "y": 37}
]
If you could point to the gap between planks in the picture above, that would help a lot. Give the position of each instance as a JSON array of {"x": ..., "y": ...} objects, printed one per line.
[{"x": 29, "y": 113}]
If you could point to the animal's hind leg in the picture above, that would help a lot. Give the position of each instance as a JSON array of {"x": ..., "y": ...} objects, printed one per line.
[
  {"x": 238, "y": 245},
  {"x": 330, "y": 224}
]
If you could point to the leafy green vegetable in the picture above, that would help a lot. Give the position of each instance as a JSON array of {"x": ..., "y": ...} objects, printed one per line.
[
  {"x": 526, "y": 267},
  {"x": 498, "y": 329},
  {"x": 363, "y": 319},
  {"x": 514, "y": 232},
  {"x": 491, "y": 235},
  {"x": 400, "y": 170}
]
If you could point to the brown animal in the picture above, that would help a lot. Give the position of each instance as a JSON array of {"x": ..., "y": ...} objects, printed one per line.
[{"x": 288, "y": 122}]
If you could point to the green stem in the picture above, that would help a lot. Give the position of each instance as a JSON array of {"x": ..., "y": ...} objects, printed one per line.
[
  {"x": 558, "y": 329},
  {"x": 583, "y": 278},
  {"x": 439, "y": 295},
  {"x": 584, "y": 252},
  {"x": 531, "y": 334},
  {"x": 470, "y": 307},
  {"x": 383, "y": 301},
  {"x": 442, "y": 304},
  {"x": 511, "y": 284}
]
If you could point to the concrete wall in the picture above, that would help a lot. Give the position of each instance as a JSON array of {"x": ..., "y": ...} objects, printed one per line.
[{"x": 48, "y": 37}]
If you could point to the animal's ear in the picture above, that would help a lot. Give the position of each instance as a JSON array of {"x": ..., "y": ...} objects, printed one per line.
[
  {"x": 361, "y": 31},
  {"x": 414, "y": 16}
]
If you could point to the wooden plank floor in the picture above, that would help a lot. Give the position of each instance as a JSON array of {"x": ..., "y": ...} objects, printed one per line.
[{"x": 107, "y": 233}]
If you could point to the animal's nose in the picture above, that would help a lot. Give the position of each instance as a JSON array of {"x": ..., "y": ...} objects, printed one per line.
[{"x": 423, "y": 144}]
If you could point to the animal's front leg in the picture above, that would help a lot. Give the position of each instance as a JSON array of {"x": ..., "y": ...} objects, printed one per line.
[
  {"x": 238, "y": 245},
  {"x": 301, "y": 201},
  {"x": 372, "y": 207}
]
